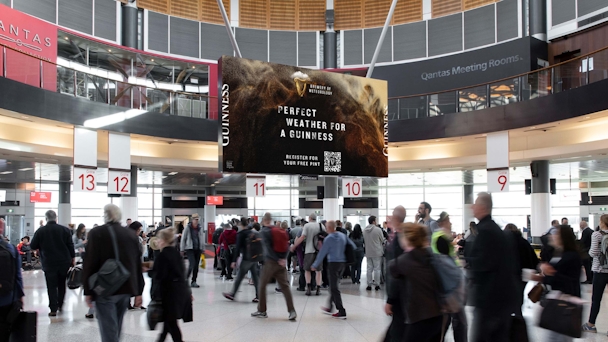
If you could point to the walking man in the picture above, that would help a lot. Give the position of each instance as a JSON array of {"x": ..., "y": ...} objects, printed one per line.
[
  {"x": 12, "y": 291},
  {"x": 193, "y": 243},
  {"x": 248, "y": 243},
  {"x": 310, "y": 253},
  {"x": 276, "y": 245},
  {"x": 334, "y": 247},
  {"x": 57, "y": 253},
  {"x": 110, "y": 309},
  {"x": 424, "y": 213},
  {"x": 374, "y": 250}
]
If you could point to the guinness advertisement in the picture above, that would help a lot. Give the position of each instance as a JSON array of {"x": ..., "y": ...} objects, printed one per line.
[
  {"x": 278, "y": 119},
  {"x": 463, "y": 69}
]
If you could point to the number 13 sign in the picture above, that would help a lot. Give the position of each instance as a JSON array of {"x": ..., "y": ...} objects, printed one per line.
[
  {"x": 256, "y": 186},
  {"x": 352, "y": 187},
  {"x": 84, "y": 180},
  {"x": 119, "y": 183},
  {"x": 498, "y": 180}
]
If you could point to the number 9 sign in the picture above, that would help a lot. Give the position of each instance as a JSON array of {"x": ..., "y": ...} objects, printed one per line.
[
  {"x": 352, "y": 187},
  {"x": 498, "y": 180}
]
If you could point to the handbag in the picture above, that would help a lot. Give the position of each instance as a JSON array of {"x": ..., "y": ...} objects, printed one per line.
[
  {"x": 112, "y": 274},
  {"x": 25, "y": 327},
  {"x": 154, "y": 313},
  {"x": 562, "y": 314}
]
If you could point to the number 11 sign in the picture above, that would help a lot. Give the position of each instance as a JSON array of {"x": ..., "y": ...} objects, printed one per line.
[
  {"x": 256, "y": 186},
  {"x": 498, "y": 180},
  {"x": 119, "y": 183}
]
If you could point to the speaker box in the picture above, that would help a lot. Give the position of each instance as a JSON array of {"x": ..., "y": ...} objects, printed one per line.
[
  {"x": 320, "y": 192},
  {"x": 528, "y": 186},
  {"x": 552, "y": 188}
]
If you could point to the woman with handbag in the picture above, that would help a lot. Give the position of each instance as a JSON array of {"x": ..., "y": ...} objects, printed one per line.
[
  {"x": 228, "y": 243},
  {"x": 600, "y": 274},
  {"x": 169, "y": 286},
  {"x": 562, "y": 272}
]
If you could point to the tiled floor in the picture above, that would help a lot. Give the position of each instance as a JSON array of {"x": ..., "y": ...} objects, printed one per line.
[{"x": 217, "y": 319}]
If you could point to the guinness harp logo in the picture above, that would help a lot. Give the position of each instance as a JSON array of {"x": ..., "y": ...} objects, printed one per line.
[{"x": 301, "y": 80}]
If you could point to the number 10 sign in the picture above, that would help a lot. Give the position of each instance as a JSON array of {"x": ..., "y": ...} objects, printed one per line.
[
  {"x": 352, "y": 187},
  {"x": 498, "y": 180},
  {"x": 119, "y": 182}
]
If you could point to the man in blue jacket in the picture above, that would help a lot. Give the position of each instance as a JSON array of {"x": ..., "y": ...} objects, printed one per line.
[
  {"x": 334, "y": 246},
  {"x": 12, "y": 273}
]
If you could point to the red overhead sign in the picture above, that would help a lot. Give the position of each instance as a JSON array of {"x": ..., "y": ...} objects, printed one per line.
[
  {"x": 40, "y": 197},
  {"x": 215, "y": 200}
]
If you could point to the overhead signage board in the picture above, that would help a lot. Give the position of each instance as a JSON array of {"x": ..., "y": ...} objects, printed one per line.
[
  {"x": 40, "y": 197},
  {"x": 278, "y": 119},
  {"x": 215, "y": 200}
]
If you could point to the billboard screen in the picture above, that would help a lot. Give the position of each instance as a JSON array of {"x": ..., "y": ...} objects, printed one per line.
[{"x": 288, "y": 120}]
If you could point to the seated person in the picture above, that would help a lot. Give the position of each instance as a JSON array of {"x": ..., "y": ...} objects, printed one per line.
[{"x": 24, "y": 249}]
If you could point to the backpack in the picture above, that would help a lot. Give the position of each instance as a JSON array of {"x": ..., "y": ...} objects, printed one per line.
[
  {"x": 7, "y": 265},
  {"x": 280, "y": 240},
  {"x": 216, "y": 236},
  {"x": 604, "y": 250},
  {"x": 255, "y": 249},
  {"x": 317, "y": 240},
  {"x": 451, "y": 282}
]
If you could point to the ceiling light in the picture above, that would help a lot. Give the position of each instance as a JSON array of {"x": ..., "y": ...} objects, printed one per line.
[
  {"x": 152, "y": 60},
  {"x": 212, "y": 184},
  {"x": 24, "y": 117},
  {"x": 109, "y": 50},
  {"x": 175, "y": 140},
  {"x": 163, "y": 177},
  {"x": 26, "y": 169},
  {"x": 172, "y": 173},
  {"x": 6, "y": 172}
]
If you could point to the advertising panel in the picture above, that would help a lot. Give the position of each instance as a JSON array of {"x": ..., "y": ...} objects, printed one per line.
[
  {"x": 40, "y": 197},
  {"x": 215, "y": 200},
  {"x": 278, "y": 119}
]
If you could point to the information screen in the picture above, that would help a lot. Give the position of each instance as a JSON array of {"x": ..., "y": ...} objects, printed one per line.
[{"x": 278, "y": 119}]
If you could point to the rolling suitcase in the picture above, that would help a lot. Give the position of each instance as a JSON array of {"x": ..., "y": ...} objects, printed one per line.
[{"x": 24, "y": 328}]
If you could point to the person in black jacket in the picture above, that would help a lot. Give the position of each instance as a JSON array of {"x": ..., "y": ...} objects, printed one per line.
[
  {"x": 169, "y": 286},
  {"x": 393, "y": 303},
  {"x": 110, "y": 310},
  {"x": 246, "y": 264},
  {"x": 57, "y": 252},
  {"x": 527, "y": 259},
  {"x": 585, "y": 245},
  {"x": 494, "y": 276}
]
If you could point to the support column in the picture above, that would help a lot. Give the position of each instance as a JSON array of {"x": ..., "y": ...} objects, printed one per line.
[
  {"x": 129, "y": 25},
  {"x": 128, "y": 203},
  {"x": 330, "y": 39},
  {"x": 468, "y": 198},
  {"x": 210, "y": 210},
  {"x": 331, "y": 205},
  {"x": 538, "y": 19},
  {"x": 64, "y": 210},
  {"x": 540, "y": 219}
]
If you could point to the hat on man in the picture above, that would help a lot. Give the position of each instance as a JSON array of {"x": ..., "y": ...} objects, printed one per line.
[
  {"x": 195, "y": 216},
  {"x": 443, "y": 216}
]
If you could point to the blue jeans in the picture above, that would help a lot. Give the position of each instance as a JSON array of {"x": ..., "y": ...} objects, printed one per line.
[
  {"x": 110, "y": 312},
  {"x": 245, "y": 267}
]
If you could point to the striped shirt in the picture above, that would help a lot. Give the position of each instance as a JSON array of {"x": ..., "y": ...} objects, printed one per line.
[{"x": 594, "y": 252}]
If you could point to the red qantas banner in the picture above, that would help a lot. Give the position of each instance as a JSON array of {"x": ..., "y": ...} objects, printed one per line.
[
  {"x": 28, "y": 34},
  {"x": 215, "y": 200},
  {"x": 40, "y": 197}
]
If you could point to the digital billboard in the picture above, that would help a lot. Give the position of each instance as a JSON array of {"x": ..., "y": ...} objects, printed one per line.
[{"x": 288, "y": 120}]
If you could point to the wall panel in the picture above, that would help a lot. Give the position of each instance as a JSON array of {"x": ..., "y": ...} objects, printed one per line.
[
  {"x": 253, "y": 43},
  {"x": 215, "y": 42},
  {"x": 283, "y": 47},
  {"x": 161, "y": 6},
  {"x": 43, "y": 9},
  {"x": 184, "y": 37},
  {"x": 470, "y": 4},
  {"x": 507, "y": 20},
  {"x": 283, "y": 15},
  {"x": 407, "y": 11},
  {"x": 353, "y": 47},
  {"x": 189, "y": 9},
  {"x": 479, "y": 27},
  {"x": 562, "y": 11},
  {"x": 409, "y": 41},
  {"x": 254, "y": 13},
  {"x": 440, "y": 8},
  {"x": 105, "y": 19},
  {"x": 375, "y": 12},
  {"x": 445, "y": 34},
  {"x": 77, "y": 15},
  {"x": 210, "y": 12},
  {"x": 158, "y": 32},
  {"x": 371, "y": 41},
  {"x": 348, "y": 14},
  {"x": 311, "y": 15},
  {"x": 589, "y": 6},
  {"x": 307, "y": 49}
]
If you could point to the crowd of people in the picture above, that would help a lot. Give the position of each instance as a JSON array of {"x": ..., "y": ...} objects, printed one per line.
[{"x": 410, "y": 260}]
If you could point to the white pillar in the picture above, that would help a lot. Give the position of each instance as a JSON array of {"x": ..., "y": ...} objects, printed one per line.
[
  {"x": 540, "y": 220},
  {"x": 128, "y": 205},
  {"x": 64, "y": 214}
]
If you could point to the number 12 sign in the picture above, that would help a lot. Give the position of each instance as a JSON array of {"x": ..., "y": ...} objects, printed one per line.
[
  {"x": 498, "y": 180},
  {"x": 85, "y": 180},
  {"x": 352, "y": 187},
  {"x": 256, "y": 186},
  {"x": 119, "y": 183}
]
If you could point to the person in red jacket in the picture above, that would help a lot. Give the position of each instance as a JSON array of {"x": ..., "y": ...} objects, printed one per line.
[
  {"x": 228, "y": 243},
  {"x": 25, "y": 250}
]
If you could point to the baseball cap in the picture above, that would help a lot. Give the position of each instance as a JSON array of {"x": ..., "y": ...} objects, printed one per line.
[
  {"x": 443, "y": 216},
  {"x": 195, "y": 216}
]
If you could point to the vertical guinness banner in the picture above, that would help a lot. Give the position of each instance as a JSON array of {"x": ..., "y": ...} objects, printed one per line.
[{"x": 282, "y": 119}]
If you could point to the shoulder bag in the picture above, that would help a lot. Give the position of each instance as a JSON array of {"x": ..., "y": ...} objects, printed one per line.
[{"x": 112, "y": 274}]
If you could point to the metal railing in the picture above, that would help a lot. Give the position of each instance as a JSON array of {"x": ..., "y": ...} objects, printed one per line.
[
  {"x": 535, "y": 84},
  {"x": 25, "y": 68}
]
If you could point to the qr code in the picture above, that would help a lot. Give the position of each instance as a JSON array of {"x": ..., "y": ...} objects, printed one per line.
[{"x": 333, "y": 161}]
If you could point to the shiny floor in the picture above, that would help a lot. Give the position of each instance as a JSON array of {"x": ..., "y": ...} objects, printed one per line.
[{"x": 217, "y": 319}]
